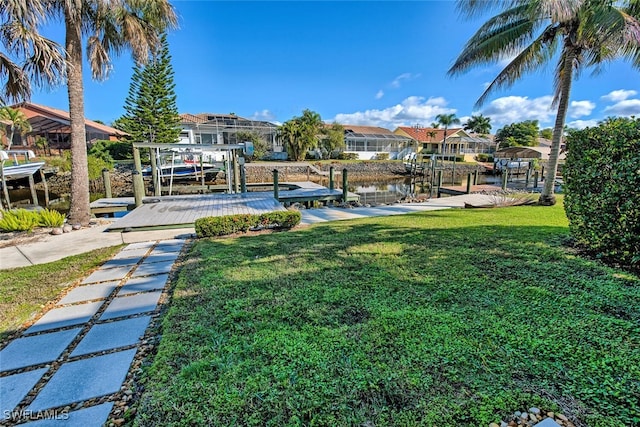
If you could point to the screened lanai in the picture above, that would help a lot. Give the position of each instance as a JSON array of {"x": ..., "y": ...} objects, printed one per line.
[
  {"x": 208, "y": 128},
  {"x": 368, "y": 141}
]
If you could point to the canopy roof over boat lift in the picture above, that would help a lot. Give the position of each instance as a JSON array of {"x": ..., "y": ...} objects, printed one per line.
[{"x": 539, "y": 152}]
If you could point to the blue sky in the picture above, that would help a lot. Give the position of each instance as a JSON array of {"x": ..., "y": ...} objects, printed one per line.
[{"x": 364, "y": 62}]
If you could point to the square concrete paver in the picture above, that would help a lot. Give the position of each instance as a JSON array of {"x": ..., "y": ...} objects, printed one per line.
[
  {"x": 139, "y": 246},
  {"x": 132, "y": 253},
  {"x": 35, "y": 349},
  {"x": 108, "y": 274},
  {"x": 147, "y": 269},
  {"x": 84, "y": 379},
  {"x": 89, "y": 292},
  {"x": 128, "y": 305},
  {"x": 94, "y": 416},
  {"x": 112, "y": 335},
  {"x": 143, "y": 284},
  {"x": 161, "y": 257},
  {"x": 167, "y": 246},
  {"x": 121, "y": 262},
  {"x": 66, "y": 316},
  {"x": 15, "y": 387}
]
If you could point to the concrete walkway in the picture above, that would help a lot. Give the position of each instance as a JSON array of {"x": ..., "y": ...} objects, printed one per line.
[{"x": 69, "y": 366}]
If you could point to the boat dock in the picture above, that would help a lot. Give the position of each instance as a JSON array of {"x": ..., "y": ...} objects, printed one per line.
[
  {"x": 463, "y": 189},
  {"x": 183, "y": 210}
]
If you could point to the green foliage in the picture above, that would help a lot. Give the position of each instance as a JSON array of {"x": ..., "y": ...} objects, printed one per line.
[
  {"x": 96, "y": 165},
  {"x": 478, "y": 124},
  {"x": 19, "y": 220},
  {"x": 332, "y": 139},
  {"x": 410, "y": 320},
  {"x": 13, "y": 120},
  {"x": 382, "y": 156},
  {"x": 151, "y": 112},
  {"x": 50, "y": 218},
  {"x": 601, "y": 184},
  {"x": 300, "y": 134},
  {"x": 346, "y": 156},
  {"x": 260, "y": 146},
  {"x": 62, "y": 163},
  {"x": 485, "y": 158},
  {"x": 546, "y": 133},
  {"x": 518, "y": 134},
  {"x": 230, "y": 224},
  {"x": 112, "y": 150}
]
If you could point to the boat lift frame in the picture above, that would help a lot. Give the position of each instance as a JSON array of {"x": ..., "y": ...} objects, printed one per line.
[{"x": 233, "y": 160}]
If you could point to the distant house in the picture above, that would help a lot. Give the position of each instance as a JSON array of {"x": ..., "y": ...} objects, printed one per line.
[
  {"x": 210, "y": 128},
  {"x": 369, "y": 141},
  {"x": 54, "y": 125},
  {"x": 459, "y": 142}
]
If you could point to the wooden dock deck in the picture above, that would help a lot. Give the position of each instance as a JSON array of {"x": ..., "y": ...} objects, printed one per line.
[{"x": 183, "y": 210}]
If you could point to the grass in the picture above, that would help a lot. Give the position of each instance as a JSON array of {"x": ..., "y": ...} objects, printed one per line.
[
  {"x": 24, "y": 291},
  {"x": 447, "y": 318}
]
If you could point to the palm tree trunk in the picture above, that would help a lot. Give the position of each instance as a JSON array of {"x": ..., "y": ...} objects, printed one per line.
[
  {"x": 547, "y": 197},
  {"x": 10, "y": 137},
  {"x": 79, "y": 212}
]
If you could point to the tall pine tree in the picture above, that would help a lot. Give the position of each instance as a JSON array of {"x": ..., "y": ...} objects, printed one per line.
[{"x": 151, "y": 113}]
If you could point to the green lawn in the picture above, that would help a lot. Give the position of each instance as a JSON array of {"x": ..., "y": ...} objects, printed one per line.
[
  {"x": 24, "y": 291},
  {"x": 450, "y": 318}
]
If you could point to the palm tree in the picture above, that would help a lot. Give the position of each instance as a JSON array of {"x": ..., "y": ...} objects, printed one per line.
[
  {"x": 478, "y": 124},
  {"x": 26, "y": 56},
  {"x": 109, "y": 26},
  {"x": 587, "y": 33},
  {"x": 16, "y": 121},
  {"x": 446, "y": 120},
  {"x": 290, "y": 135}
]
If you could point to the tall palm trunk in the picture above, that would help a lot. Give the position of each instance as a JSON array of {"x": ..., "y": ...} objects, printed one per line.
[
  {"x": 10, "y": 136},
  {"x": 547, "y": 197},
  {"x": 79, "y": 210}
]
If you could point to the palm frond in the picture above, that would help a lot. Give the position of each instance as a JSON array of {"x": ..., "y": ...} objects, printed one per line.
[{"x": 538, "y": 53}]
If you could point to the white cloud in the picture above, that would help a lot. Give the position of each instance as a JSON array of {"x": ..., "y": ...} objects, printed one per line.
[
  {"x": 380, "y": 94},
  {"x": 264, "y": 115},
  {"x": 619, "y": 95},
  {"x": 627, "y": 107},
  {"x": 403, "y": 77},
  {"x": 581, "y": 124},
  {"x": 512, "y": 109},
  {"x": 580, "y": 108},
  {"x": 411, "y": 111}
]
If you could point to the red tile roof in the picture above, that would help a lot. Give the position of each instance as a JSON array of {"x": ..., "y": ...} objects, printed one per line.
[
  {"x": 421, "y": 134},
  {"x": 31, "y": 110}
]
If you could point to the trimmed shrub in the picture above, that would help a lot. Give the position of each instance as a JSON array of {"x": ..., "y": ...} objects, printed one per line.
[
  {"x": 485, "y": 158},
  {"x": 602, "y": 178},
  {"x": 19, "y": 220},
  {"x": 382, "y": 156},
  {"x": 51, "y": 218},
  {"x": 229, "y": 224}
]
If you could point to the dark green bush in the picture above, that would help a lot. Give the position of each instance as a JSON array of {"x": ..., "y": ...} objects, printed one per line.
[
  {"x": 347, "y": 156},
  {"x": 229, "y": 224},
  {"x": 602, "y": 178},
  {"x": 483, "y": 157},
  {"x": 382, "y": 156}
]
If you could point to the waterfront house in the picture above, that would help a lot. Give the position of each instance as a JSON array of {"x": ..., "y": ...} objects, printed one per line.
[{"x": 368, "y": 142}]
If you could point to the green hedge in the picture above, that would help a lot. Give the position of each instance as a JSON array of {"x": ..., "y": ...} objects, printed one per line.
[
  {"x": 602, "y": 183},
  {"x": 24, "y": 220},
  {"x": 229, "y": 224}
]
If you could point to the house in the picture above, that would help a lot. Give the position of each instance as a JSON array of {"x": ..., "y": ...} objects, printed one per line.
[
  {"x": 431, "y": 140},
  {"x": 210, "y": 128},
  {"x": 370, "y": 141},
  {"x": 54, "y": 125}
]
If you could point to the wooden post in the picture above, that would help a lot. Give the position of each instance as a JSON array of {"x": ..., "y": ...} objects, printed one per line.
[
  {"x": 440, "y": 178},
  {"x": 345, "y": 190},
  {"x": 453, "y": 173},
  {"x": 236, "y": 172},
  {"x": 138, "y": 187},
  {"x": 107, "y": 183},
  {"x": 542, "y": 174},
  {"x": 154, "y": 173},
  {"x": 331, "y": 178},
  {"x": 469, "y": 182},
  {"x": 46, "y": 188},
  {"x": 505, "y": 177},
  {"x": 275, "y": 184},
  {"x": 243, "y": 180},
  {"x": 202, "y": 177},
  {"x": 527, "y": 177},
  {"x": 308, "y": 173},
  {"x": 32, "y": 187},
  {"x": 5, "y": 190},
  {"x": 535, "y": 179},
  {"x": 136, "y": 159},
  {"x": 475, "y": 177}
]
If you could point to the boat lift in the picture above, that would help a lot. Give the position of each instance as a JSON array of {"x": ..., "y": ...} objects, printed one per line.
[{"x": 233, "y": 160}]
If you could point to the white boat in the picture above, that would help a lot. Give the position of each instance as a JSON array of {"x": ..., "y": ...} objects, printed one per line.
[{"x": 18, "y": 170}]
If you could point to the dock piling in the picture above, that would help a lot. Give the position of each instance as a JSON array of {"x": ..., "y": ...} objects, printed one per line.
[
  {"x": 469, "y": 182},
  {"x": 345, "y": 190},
  {"x": 32, "y": 187},
  {"x": 331, "y": 178},
  {"x": 106, "y": 180},
  {"x": 275, "y": 184},
  {"x": 505, "y": 177},
  {"x": 138, "y": 187}
]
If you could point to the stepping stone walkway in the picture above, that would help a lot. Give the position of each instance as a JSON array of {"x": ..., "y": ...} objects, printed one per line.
[{"x": 68, "y": 368}]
